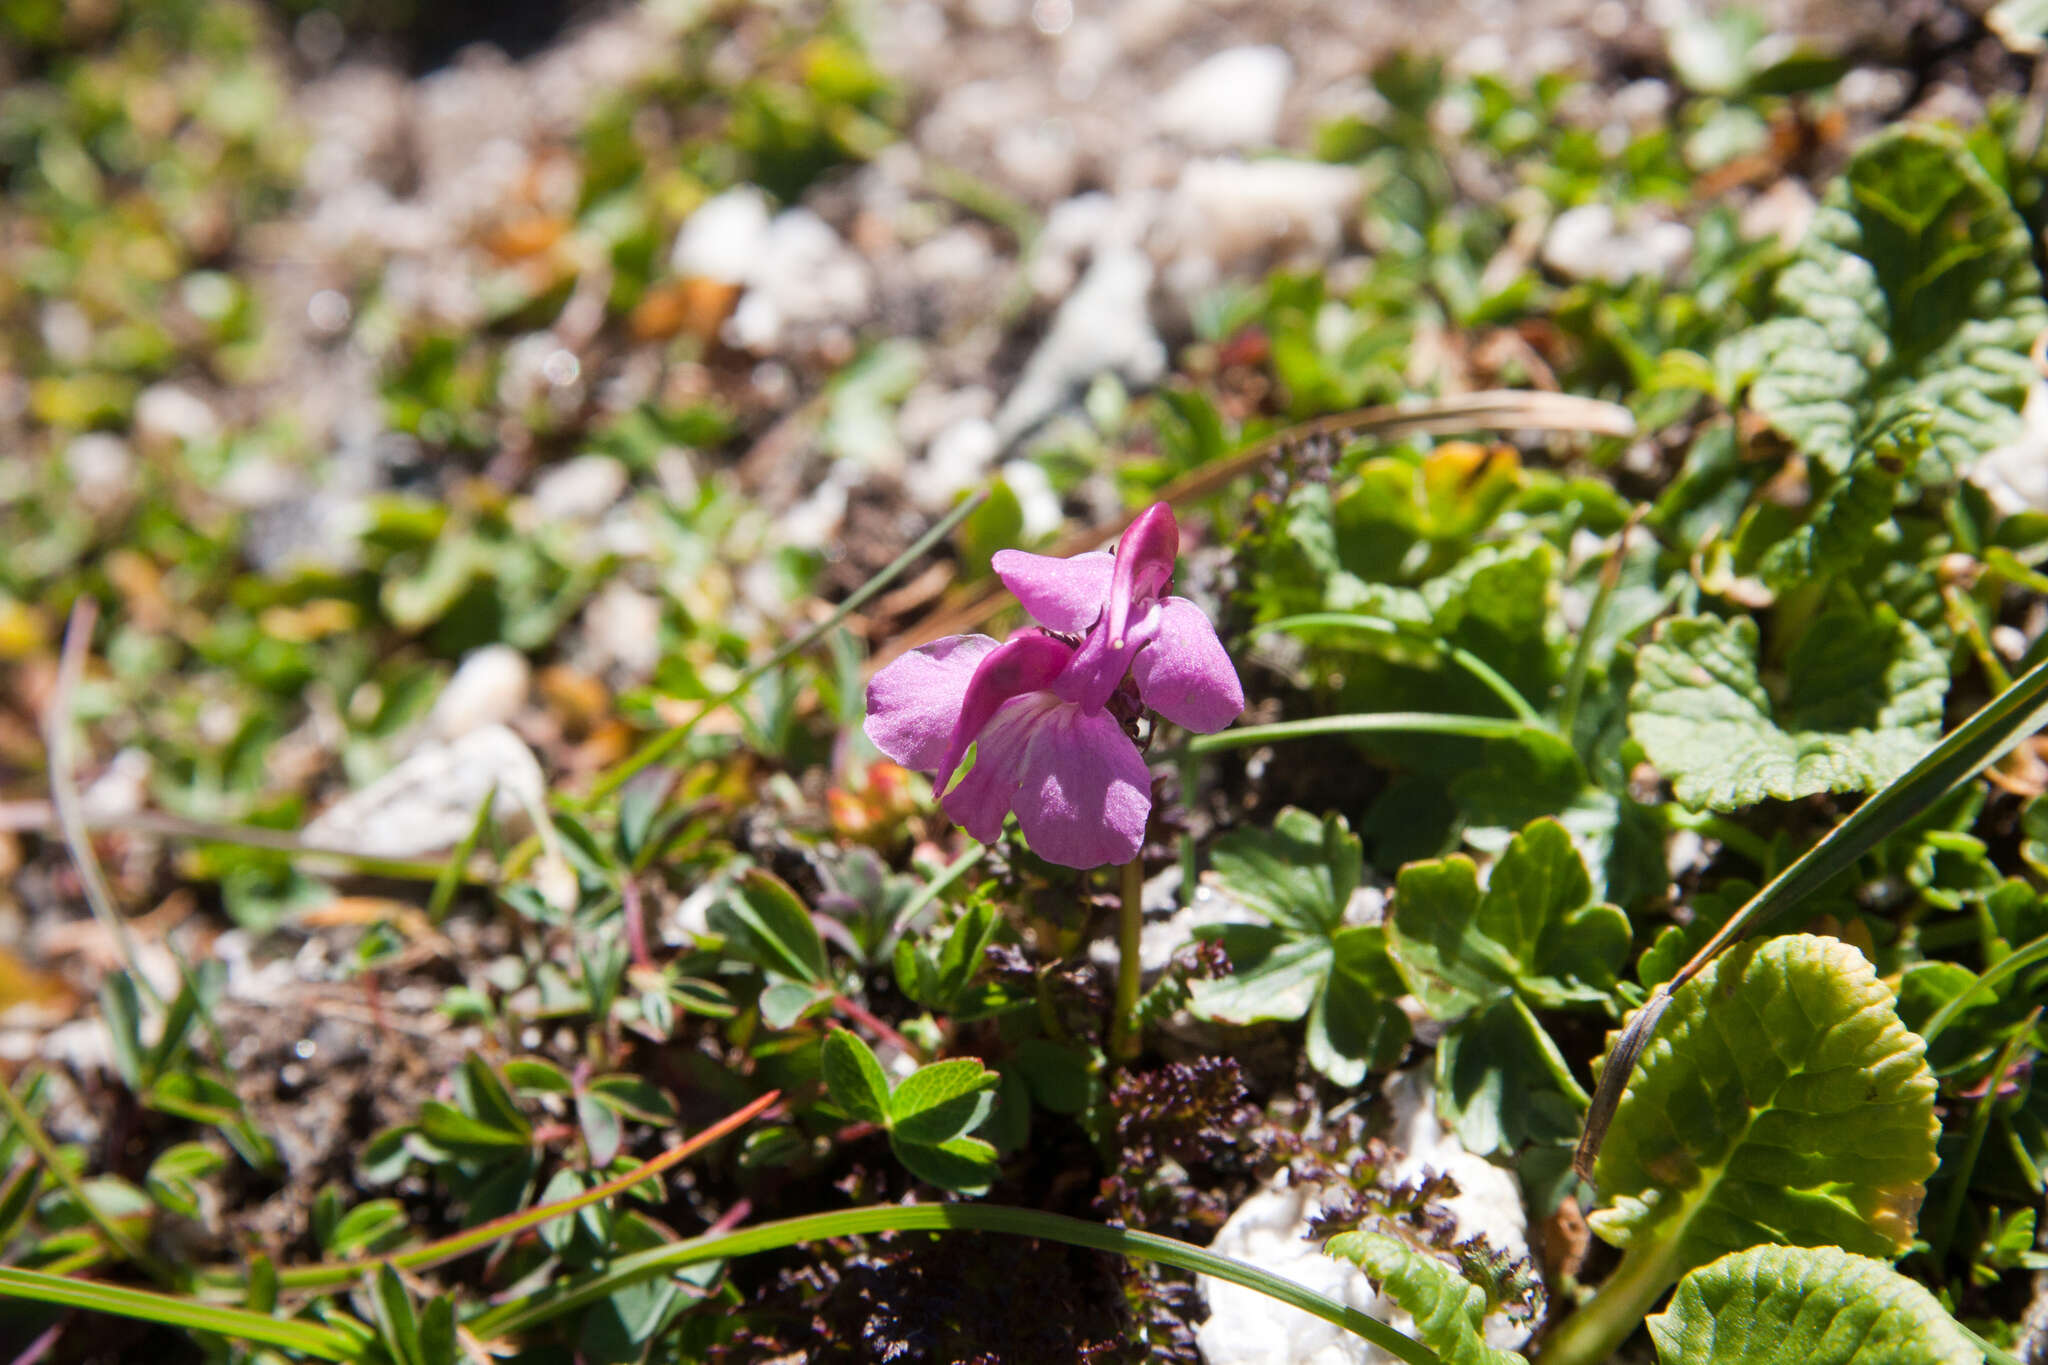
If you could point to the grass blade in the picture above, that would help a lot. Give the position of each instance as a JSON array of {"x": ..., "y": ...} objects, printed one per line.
[{"x": 307, "y": 1338}]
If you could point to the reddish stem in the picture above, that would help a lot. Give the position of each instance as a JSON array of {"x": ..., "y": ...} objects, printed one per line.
[{"x": 860, "y": 1014}]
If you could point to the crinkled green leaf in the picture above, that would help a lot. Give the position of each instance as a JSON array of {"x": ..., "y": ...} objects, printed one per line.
[
  {"x": 1838, "y": 535},
  {"x": 1535, "y": 932},
  {"x": 1449, "y": 1311},
  {"x": 1300, "y": 874},
  {"x": 1914, "y": 288},
  {"x": 1780, "y": 1100},
  {"x": 855, "y": 1077},
  {"x": 1777, "y": 1305},
  {"x": 1862, "y": 703}
]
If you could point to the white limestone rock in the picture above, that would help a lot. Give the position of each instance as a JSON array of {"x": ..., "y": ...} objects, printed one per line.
[
  {"x": 1590, "y": 243},
  {"x": 1105, "y": 326},
  {"x": 1270, "y": 1228},
  {"x": 2016, "y": 473},
  {"x": 429, "y": 802},
  {"x": 724, "y": 238},
  {"x": 1229, "y": 100},
  {"x": 489, "y": 688}
]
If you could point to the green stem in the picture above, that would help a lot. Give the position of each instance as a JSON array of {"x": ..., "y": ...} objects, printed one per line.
[
  {"x": 1464, "y": 658},
  {"x": 1130, "y": 929},
  {"x": 662, "y": 745},
  {"x": 307, "y": 1338},
  {"x": 2012, "y": 964},
  {"x": 567, "y": 1296},
  {"x": 1590, "y": 1336},
  {"x": 1379, "y": 722},
  {"x": 1973, "y": 1144},
  {"x": 1582, "y": 653},
  {"x": 1190, "y": 774}
]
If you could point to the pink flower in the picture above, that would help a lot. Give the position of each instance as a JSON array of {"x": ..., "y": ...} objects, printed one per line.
[{"x": 1046, "y": 711}]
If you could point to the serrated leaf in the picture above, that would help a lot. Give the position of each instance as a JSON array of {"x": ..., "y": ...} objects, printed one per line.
[
  {"x": 1914, "y": 288},
  {"x": 1774, "y": 1305},
  {"x": 855, "y": 1077},
  {"x": 1449, "y": 1311},
  {"x": 966, "y": 1165},
  {"x": 1300, "y": 874},
  {"x": 1863, "y": 702},
  {"x": 1781, "y": 1100},
  {"x": 937, "y": 1103},
  {"x": 769, "y": 925}
]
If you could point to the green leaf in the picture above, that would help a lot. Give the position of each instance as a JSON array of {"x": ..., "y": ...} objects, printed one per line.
[
  {"x": 1535, "y": 932},
  {"x": 855, "y": 1078},
  {"x": 937, "y": 1103},
  {"x": 1355, "y": 1026},
  {"x": 1274, "y": 976},
  {"x": 1862, "y": 703},
  {"x": 770, "y": 926},
  {"x": 1300, "y": 874},
  {"x": 634, "y": 1097},
  {"x": 1502, "y": 1083},
  {"x": 603, "y": 1133},
  {"x": 538, "y": 1075},
  {"x": 397, "y": 1325},
  {"x": 965, "y": 1164},
  {"x": 783, "y": 1003},
  {"x": 457, "y": 1131},
  {"x": 1914, "y": 288},
  {"x": 1781, "y": 1100},
  {"x": 1839, "y": 533},
  {"x": 171, "y": 1176},
  {"x": 1449, "y": 1311},
  {"x": 1775, "y": 1305}
]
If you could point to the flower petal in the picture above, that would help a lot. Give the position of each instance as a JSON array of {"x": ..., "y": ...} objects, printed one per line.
[
  {"x": 1184, "y": 673},
  {"x": 1079, "y": 787},
  {"x": 1063, "y": 594},
  {"x": 1144, "y": 566},
  {"x": 913, "y": 703},
  {"x": 1029, "y": 661}
]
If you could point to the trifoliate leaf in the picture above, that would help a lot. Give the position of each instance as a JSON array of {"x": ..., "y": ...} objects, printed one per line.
[
  {"x": 1862, "y": 702},
  {"x": 1775, "y": 1305},
  {"x": 769, "y": 925},
  {"x": 1449, "y": 1311},
  {"x": 1914, "y": 288},
  {"x": 1535, "y": 932},
  {"x": 1354, "y": 1026},
  {"x": 1780, "y": 1100}
]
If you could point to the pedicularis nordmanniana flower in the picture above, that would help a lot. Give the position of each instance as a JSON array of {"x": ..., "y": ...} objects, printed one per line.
[{"x": 1049, "y": 710}]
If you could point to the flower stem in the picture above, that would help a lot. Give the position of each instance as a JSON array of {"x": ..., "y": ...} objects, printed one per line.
[{"x": 1123, "y": 1041}]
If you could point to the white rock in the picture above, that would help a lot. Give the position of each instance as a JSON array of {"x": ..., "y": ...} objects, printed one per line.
[
  {"x": 802, "y": 275},
  {"x": 724, "y": 238},
  {"x": 957, "y": 459},
  {"x": 1104, "y": 326},
  {"x": 102, "y": 471},
  {"x": 489, "y": 688},
  {"x": 1783, "y": 211},
  {"x": 1270, "y": 1228},
  {"x": 1229, "y": 100},
  {"x": 1036, "y": 500},
  {"x": 167, "y": 416},
  {"x": 579, "y": 489},
  {"x": 1590, "y": 243},
  {"x": 2016, "y": 474},
  {"x": 1230, "y": 214},
  {"x": 1169, "y": 926},
  {"x": 429, "y": 802},
  {"x": 122, "y": 788},
  {"x": 623, "y": 626}
]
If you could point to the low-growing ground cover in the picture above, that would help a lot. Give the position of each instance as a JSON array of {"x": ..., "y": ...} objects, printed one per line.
[{"x": 580, "y": 784}]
